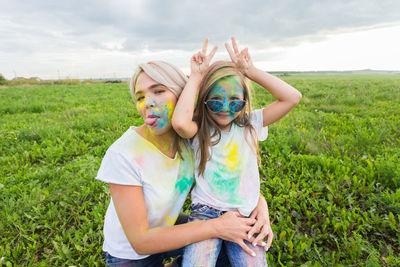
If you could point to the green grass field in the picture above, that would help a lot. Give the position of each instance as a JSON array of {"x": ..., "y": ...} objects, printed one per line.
[{"x": 330, "y": 171}]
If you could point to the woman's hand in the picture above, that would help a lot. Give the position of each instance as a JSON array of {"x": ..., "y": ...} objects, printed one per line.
[
  {"x": 200, "y": 61},
  {"x": 241, "y": 59},
  {"x": 262, "y": 227},
  {"x": 234, "y": 227}
]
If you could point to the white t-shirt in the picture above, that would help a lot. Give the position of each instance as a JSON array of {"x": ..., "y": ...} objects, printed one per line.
[
  {"x": 231, "y": 178},
  {"x": 132, "y": 160}
]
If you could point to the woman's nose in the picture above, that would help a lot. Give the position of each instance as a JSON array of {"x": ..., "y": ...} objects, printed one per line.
[{"x": 150, "y": 102}]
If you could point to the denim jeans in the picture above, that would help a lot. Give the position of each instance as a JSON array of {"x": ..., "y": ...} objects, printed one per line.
[
  {"x": 205, "y": 253},
  {"x": 156, "y": 260}
]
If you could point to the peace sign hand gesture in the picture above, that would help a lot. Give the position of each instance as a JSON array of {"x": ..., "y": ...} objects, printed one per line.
[
  {"x": 200, "y": 61},
  {"x": 241, "y": 59}
]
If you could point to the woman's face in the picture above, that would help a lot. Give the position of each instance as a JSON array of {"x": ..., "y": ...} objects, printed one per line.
[
  {"x": 225, "y": 90},
  {"x": 155, "y": 103}
]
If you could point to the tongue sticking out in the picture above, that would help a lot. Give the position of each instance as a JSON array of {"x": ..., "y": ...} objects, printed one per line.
[{"x": 151, "y": 120}]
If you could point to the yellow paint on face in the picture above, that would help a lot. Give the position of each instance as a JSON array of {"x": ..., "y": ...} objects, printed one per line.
[
  {"x": 140, "y": 104},
  {"x": 171, "y": 108},
  {"x": 232, "y": 160},
  {"x": 137, "y": 87}
]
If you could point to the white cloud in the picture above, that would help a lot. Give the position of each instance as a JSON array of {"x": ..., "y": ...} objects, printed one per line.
[
  {"x": 88, "y": 37},
  {"x": 376, "y": 48}
]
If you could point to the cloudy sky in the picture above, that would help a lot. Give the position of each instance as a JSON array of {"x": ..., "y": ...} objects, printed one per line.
[{"x": 98, "y": 39}]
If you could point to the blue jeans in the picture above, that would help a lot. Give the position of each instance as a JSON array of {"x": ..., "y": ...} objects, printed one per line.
[
  {"x": 205, "y": 253},
  {"x": 156, "y": 260}
]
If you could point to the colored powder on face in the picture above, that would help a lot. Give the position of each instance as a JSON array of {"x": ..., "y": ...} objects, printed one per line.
[
  {"x": 137, "y": 86},
  {"x": 165, "y": 113},
  {"x": 140, "y": 105},
  {"x": 224, "y": 89},
  {"x": 229, "y": 86}
]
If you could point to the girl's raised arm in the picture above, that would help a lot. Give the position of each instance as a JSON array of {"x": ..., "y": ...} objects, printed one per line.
[
  {"x": 286, "y": 95},
  {"x": 131, "y": 210},
  {"x": 182, "y": 119}
]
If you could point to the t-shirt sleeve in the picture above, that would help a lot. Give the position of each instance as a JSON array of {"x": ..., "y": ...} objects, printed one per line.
[
  {"x": 116, "y": 169},
  {"x": 257, "y": 123}
]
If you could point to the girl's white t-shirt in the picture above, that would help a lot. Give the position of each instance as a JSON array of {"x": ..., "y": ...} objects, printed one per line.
[
  {"x": 132, "y": 160},
  {"x": 231, "y": 179}
]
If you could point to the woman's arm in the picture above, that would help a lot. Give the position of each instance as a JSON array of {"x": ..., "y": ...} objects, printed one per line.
[
  {"x": 131, "y": 210},
  {"x": 182, "y": 119},
  {"x": 287, "y": 96}
]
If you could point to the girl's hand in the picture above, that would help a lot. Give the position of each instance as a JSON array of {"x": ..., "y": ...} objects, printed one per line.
[
  {"x": 241, "y": 59},
  {"x": 234, "y": 227},
  {"x": 200, "y": 61},
  {"x": 262, "y": 227}
]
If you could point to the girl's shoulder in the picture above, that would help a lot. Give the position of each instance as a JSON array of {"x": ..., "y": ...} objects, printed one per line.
[{"x": 257, "y": 122}]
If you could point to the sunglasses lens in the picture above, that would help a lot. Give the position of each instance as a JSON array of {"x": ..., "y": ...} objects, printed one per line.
[
  {"x": 237, "y": 105},
  {"x": 214, "y": 105}
]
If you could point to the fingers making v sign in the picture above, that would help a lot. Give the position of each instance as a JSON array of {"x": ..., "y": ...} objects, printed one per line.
[
  {"x": 241, "y": 59},
  {"x": 200, "y": 61}
]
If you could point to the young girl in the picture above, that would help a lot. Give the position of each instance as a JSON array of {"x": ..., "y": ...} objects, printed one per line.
[{"x": 225, "y": 136}]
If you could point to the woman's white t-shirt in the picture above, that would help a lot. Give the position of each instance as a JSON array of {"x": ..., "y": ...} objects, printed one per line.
[
  {"x": 231, "y": 179},
  {"x": 132, "y": 160}
]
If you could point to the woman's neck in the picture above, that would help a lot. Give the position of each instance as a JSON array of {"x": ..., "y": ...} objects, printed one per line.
[{"x": 164, "y": 142}]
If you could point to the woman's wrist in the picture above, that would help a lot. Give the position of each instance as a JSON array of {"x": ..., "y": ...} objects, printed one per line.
[{"x": 215, "y": 227}]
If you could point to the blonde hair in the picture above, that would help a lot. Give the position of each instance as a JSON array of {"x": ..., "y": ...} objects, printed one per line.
[
  {"x": 164, "y": 73},
  {"x": 217, "y": 71}
]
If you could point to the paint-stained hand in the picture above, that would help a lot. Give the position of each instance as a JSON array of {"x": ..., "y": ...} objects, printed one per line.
[
  {"x": 234, "y": 227},
  {"x": 262, "y": 227},
  {"x": 200, "y": 61},
  {"x": 241, "y": 59}
]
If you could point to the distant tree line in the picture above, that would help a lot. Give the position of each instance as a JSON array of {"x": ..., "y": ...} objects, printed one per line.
[
  {"x": 38, "y": 81},
  {"x": 3, "y": 81}
]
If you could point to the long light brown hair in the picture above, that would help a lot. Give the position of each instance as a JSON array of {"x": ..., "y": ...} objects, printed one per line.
[{"x": 217, "y": 71}]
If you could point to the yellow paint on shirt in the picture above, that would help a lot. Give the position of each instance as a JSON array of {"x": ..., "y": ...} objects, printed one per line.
[
  {"x": 232, "y": 160},
  {"x": 170, "y": 220}
]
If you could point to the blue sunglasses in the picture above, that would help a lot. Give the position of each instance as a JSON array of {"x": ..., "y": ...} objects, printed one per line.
[{"x": 216, "y": 106}]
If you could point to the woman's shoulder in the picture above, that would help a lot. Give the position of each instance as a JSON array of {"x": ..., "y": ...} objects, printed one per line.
[{"x": 126, "y": 142}]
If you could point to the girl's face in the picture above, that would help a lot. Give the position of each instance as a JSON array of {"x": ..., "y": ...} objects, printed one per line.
[
  {"x": 155, "y": 103},
  {"x": 225, "y": 90}
]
